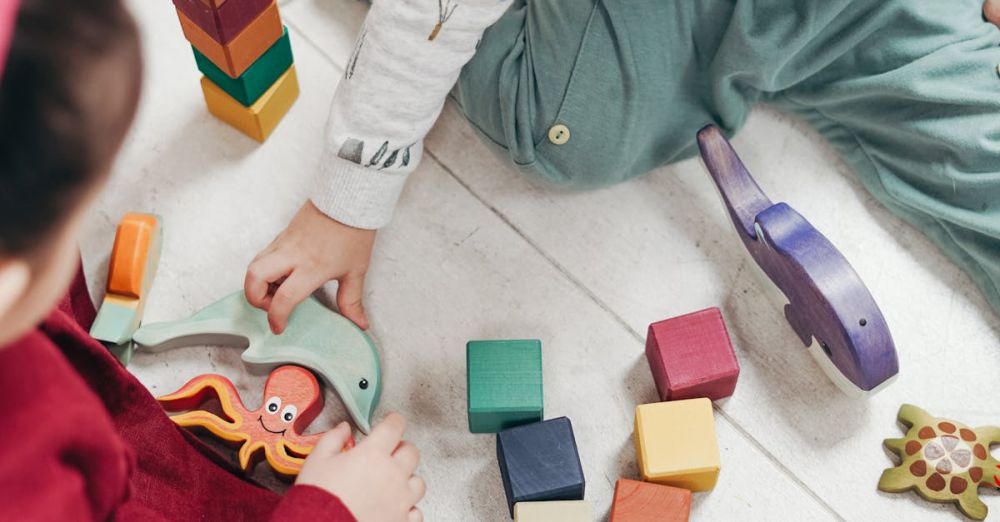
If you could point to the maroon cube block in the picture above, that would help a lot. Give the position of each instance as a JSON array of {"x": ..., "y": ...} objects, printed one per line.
[
  {"x": 222, "y": 19},
  {"x": 691, "y": 356}
]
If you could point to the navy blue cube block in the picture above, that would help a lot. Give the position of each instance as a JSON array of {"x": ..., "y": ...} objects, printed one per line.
[{"x": 540, "y": 462}]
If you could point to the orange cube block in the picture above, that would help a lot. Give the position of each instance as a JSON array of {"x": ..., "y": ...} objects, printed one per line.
[
  {"x": 243, "y": 50},
  {"x": 644, "y": 502}
]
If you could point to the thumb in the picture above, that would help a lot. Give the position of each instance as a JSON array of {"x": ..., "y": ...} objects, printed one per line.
[
  {"x": 349, "y": 299},
  {"x": 334, "y": 441}
]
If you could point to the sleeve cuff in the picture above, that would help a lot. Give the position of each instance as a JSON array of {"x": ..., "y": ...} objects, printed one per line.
[
  {"x": 302, "y": 503},
  {"x": 357, "y": 196}
]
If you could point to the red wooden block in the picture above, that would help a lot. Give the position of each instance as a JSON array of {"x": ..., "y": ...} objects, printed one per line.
[
  {"x": 644, "y": 502},
  {"x": 691, "y": 356},
  {"x": 222, "y": 20}
]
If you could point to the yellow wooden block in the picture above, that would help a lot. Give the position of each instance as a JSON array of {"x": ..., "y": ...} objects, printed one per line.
[
  {"x": 259, "y": 119},
  {"x": 555, "y": 511},
  {"x": 676, "y": 445}
]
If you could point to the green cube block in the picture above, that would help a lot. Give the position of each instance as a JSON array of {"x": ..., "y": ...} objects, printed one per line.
[
  {"x": 257, "y": 78},
  {"x": 505, "y": 384}
]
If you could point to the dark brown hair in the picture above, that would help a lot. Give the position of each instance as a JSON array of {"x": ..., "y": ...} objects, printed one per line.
[{"x": 67, "y": 98}]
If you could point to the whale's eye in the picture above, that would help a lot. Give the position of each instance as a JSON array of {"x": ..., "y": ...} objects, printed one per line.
[
  {"x": 288, "y": 414},
  {"x": 273, "y": 404},
  {"x": 363, "y": 384}
]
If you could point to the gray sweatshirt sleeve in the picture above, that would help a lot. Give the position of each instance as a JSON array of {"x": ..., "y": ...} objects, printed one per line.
[{"x": 408, "y": 56}]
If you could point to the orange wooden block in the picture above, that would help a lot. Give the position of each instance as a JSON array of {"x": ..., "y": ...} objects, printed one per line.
[
  {"x": 292, "y": 399},
  {"x": 244, "y": 49},
  {"x": 644, "y": 502},
  {"x": 127, "y": 269}
]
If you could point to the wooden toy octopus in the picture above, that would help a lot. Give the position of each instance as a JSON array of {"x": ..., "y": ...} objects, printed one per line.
[{"x": 292, "y": 399}]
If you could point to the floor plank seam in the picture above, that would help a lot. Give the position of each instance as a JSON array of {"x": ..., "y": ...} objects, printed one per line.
[{"x": 600, "y": 303}]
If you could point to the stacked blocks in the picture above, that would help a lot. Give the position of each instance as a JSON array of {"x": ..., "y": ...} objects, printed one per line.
[
  {"x": 244, "y": 53},
  {"x": 691, "y": 356},
  {"x": 504, "y": 384},
  {"x": 134, "y": 258},
  {"x": 540, "y": 462},
  {"x": 559, "y": 511},
  {"x": 644, "y": 502},
  {"x": 676, "y": 444}
]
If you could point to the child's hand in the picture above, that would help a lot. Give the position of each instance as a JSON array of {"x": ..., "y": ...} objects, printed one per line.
[
  {"x": 313, "y": 249},
  {"x": 375, "y": 479}
]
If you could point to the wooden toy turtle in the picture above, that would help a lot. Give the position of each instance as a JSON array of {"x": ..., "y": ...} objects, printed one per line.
[{"x": 944, "y": 460}]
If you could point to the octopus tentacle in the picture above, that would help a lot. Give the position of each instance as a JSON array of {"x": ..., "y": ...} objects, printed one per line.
[
  {"x": 247, "y": 451},
  {"x": 217, "y": 425},
  {"x": 200, "y": 389},
  {"x": 281, "y": 461}
]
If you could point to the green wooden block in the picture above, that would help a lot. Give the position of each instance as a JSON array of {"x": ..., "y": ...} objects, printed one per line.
[
  {"x": 257, "y": 78},
  {"x": 115, "y": 322},
  {"x": 505, "y": 384}
]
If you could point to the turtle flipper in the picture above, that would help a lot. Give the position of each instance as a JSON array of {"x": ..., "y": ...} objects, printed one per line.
[
  {"x": 895, "y": 445},
  {"x": 970, "y": 504},
  {"x": 895, "y": 480}
]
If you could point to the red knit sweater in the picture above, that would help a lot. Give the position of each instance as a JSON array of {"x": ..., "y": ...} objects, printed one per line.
[{"x": 82, "y": 439}]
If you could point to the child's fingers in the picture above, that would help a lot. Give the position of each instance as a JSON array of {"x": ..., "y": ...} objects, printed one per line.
[
  {"x": 333, "y": 441},
  {"x": 292, "y": 291},
  {"x": 417, "y": 488},
  {"x": 387, "y": 434},
  {"x": 260, "y": 274},
  {"x": 407, "y": 456},
  {"x": 415, "y": 516},
  {"x": 349, "y": 299}
]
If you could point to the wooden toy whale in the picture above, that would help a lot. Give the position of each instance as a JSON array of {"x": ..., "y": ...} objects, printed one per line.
[
  {"x": 316, "y": 338},
  {"x": 827, "y": 301}
]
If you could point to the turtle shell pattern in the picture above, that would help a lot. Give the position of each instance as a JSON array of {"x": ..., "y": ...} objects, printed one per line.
[{"x": 944, "y": 460}]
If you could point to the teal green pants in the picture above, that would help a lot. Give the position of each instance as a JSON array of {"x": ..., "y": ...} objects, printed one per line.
[{"x": 907, "y": 91}]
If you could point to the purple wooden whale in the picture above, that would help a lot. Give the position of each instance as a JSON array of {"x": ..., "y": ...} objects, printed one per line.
[{"x": 827, "y": 299}]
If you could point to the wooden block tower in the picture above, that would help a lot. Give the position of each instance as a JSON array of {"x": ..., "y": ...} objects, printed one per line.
[{"x": 243, "y": 51}]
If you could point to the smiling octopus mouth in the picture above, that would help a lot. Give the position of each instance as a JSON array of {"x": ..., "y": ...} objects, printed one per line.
[{"x": 260, "y": 419}]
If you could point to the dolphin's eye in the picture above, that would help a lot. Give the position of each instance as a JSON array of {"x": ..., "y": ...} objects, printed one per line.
[
  {"x": 273, "y": 404},
  {"x": 363, "y": 384},
  {"x": 288, "y": 414}
]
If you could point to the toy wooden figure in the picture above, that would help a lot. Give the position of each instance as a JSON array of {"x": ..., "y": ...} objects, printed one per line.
[
  {"x": 292, "y": 399},
  {"x": 134, "y": 258},
  {"x": 943, "y": 460},
  {"x": 540, "y": 462},
  {"x": 676, "y": 445},
  {"x": 691, "y": 356},
  {"x": 316, "y": 338},
  {"x": 829, "y": 307},
  {"x": 504, "y": 384},
  {"x": 644, "y": 502},
  {"x": 553, "y": 511}
]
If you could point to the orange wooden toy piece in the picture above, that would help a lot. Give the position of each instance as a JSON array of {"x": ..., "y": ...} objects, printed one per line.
[
  {"x": 644, "y": 502},
  {"x": 129, "y": 254},
  {"x": 292, "y": 399}
]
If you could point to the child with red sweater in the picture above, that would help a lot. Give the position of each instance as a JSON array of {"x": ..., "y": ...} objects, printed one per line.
[{"x": 82, "y": 439}]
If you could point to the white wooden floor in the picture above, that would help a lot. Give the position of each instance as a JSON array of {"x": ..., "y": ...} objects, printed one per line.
[{"x": 476, "y": 251}]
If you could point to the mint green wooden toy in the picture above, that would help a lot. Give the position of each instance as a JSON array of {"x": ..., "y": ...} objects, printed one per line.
[
  {"x": 504, "y": 384},
  {"x": 316, "y": 338}
]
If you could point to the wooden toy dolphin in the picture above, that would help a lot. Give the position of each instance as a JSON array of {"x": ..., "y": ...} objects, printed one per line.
[
  {"x": 316, "y": 337},
  {"x": 826, "y": 298}
]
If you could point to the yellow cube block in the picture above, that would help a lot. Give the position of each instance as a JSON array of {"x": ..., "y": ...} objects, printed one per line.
[
  {"x": 554, "y": 511},
  {"x": 259, "y": 119},
  {"x": 676, "y": 445}
]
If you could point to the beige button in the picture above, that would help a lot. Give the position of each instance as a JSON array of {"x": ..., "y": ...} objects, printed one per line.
[{"x": 559, "y": 134}]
